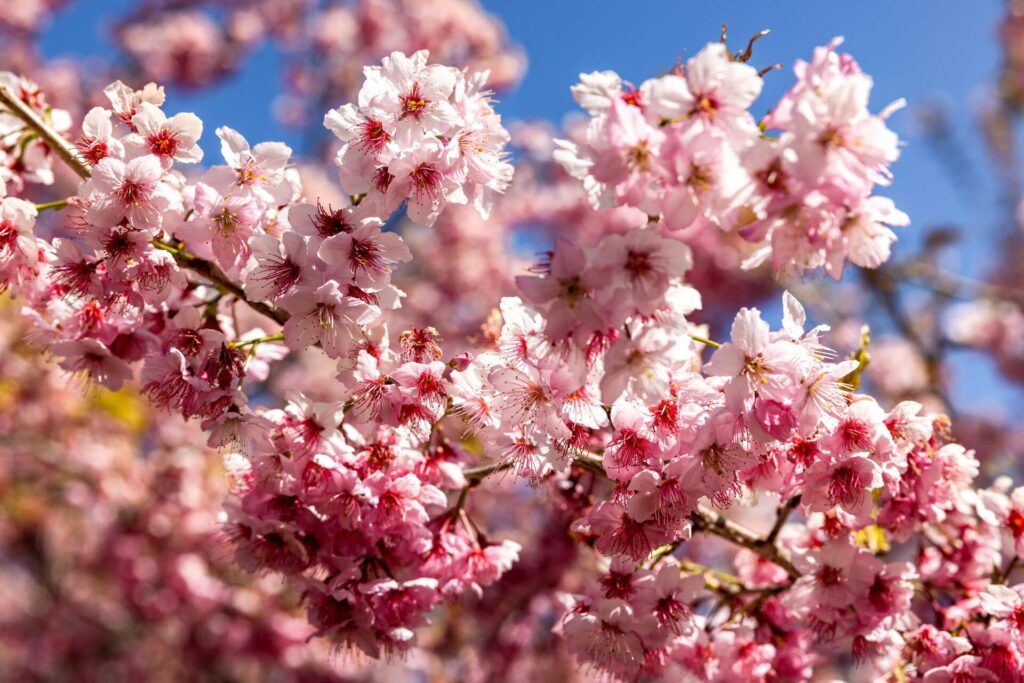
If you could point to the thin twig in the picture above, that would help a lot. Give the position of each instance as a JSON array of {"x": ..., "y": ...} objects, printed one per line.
[
  {"x": 588, "y": 461},
  {"x": 953, "y": 284},
  {"x": 705, "y": 342},
  {"x": 882, "y": 283},
  {"x": 706, "y": 519},
  {"x": 256, "y": 342},
  {"x": 780, "y": 519},
  {"x": 216, "y": 276},
  {"x": 475, "y": 475}
]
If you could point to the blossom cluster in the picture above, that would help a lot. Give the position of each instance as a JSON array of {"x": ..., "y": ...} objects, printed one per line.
[
  {"x": 767, "y": 413},
  {"x": 363, "y": 506},
  {"x": 115, "y": 296},
  {"x": 797, "y": 185},
  {"x": 595, "y": 384},
  {"x": 422, "y": 133}
]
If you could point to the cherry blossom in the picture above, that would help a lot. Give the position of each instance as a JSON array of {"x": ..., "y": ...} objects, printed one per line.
[{"x": 590, "y": 455}]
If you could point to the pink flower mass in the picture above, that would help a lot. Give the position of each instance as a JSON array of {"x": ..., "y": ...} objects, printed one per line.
[{"x": 439, "y": 396}]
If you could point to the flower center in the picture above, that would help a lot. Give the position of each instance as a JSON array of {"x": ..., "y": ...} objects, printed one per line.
[
  {"x": 639, "y": 156},
  {"x": 845, "y": 486},
  {"x": 382, "y": 179},
  {"x": 700, "y": 178},
  {"x": 705, "y": 104},
  {"x": 164, "y": 143},
  {"x": 426, "y": 179},
  {"x": 131, "y": 193},
  {"x": 830, "y": 576},
  {"x": 372, "y": 137},
  {"x": 226, "y": 221},
  {"x": 250, "y": 173},
  {"x": 832, "y": 138},
  {"x": 856, "y": 435},
  {"x": 329, "y": 222},
  {"x": 1015, "y": 521},
  {"x": 414, "y": 103},
  {"x": 8, "y": 237},
  {"x": 572, "y": 290},
  {"x": 638, "y": 264}
]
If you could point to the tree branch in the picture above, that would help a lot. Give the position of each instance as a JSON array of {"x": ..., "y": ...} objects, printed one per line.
[
  {"x": 475, "y": 475},
  {"x": 780, "y": 519},
  {"x": 883, "y": 285},
  {"x": 222, "y": 282},
  {"x": 706, "y": 519},
  {"x": 52, "y": 138}
]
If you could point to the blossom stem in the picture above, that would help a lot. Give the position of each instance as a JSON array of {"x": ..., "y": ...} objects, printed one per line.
[
  {"x": 257, "y": 341},
  {"x": 705, "y": 342},
  {"x": 658, "y": 554},
  {"x": 59, "y": 204},
  {"x": 705, "y": 519},
  {"x": 222, "y": 282},
  {"x": 863, "y": 358},
  {"x": 715, "y": 579}
]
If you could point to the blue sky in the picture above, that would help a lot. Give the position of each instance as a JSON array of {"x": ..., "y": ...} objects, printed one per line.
[{"x": 922, "y": 50}]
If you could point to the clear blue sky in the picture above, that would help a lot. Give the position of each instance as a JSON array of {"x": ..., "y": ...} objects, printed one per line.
[{"x": 921, "y": 50}]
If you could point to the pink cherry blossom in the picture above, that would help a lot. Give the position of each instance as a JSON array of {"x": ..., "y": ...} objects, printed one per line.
[
  {"x": 325, "y": 316},
  {"x": 134, "y": 191},
  {"x": 171, "y": 139}
]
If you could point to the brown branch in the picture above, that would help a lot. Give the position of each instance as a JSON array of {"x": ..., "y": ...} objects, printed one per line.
[
  {"x": 588, "y": 461},
  {"x": 780, "y": 519},
  {"x": 704, "y": 519},
  {"x": 707, "y": 520},
  {"x": 955, "y": 285},
  {"x": 52, "y": 138},
  {"x": 475, "y": 475},
  {"x": 222, "y": 282}
]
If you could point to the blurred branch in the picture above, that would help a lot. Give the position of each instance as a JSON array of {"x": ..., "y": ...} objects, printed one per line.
[{"x": 882, "y": 284}]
